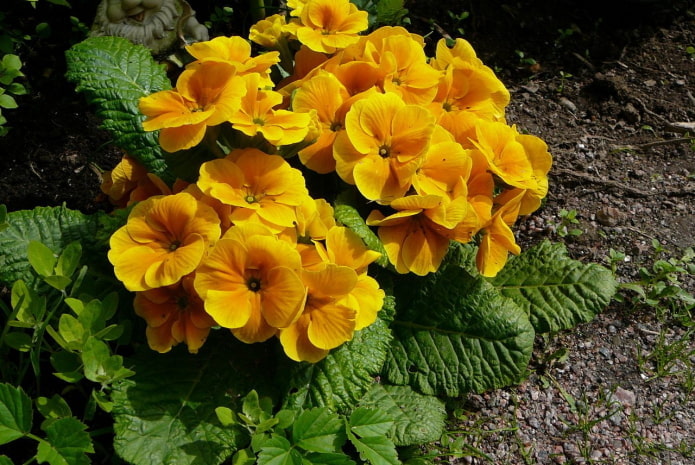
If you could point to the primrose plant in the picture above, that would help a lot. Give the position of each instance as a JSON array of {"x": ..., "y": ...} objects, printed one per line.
[{"x": 314, "y": 235}]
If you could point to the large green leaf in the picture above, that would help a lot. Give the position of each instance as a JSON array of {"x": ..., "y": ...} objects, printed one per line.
[
  {"x": 415, "y": 418},
  {"x": 318, "y": 430},
  {"x": 114, "y": 74},
  {"x": 340, "y": 380},
  {"x": 15, "y": 413},
  {"x": 166, "y": 412},
  {"x": 557, "y": 292},
  {"x": 455, "y": 333}
]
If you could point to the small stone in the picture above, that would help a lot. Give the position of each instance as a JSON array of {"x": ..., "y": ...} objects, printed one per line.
[{"x": 625, "y": 397}]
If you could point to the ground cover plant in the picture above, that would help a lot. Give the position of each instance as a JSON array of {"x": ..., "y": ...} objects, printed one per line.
[{"x": 63, "y": 307}]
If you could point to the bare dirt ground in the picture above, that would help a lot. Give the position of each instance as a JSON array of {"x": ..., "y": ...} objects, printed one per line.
[{"x": 611, "y": 89}]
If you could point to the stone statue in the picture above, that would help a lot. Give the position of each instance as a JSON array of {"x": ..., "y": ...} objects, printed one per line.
[{"x": 159, "y": 25}]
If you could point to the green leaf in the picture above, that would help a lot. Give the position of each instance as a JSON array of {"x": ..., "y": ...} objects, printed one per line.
[
  {"x": 278, "y": 451},
  {"x": 114, "y": 74},
  {"x": 370, "y": 422},
  {"x": 55, "y": 407},
  {"x": 416, "y": 418},
  {"x": 4, "y": 460},
  {"x": 166, "y": 412},
  {"x": 7, "y": 101},
  {"x": 378, "y": 450},
  {"x": 557, "y": 292},
  {"x": 18, "y": 341},
  {"x": 318, "y": 430},
  {"x": 351, "y": 218},
  {"x": 54, "y": 227},
  {"x": 327, "y": 459},
  {"x": 99, "y": 365},
  {"x": 69, "y": 259},
  {"x": 226, "y": 416},
  {"x": 454, "y": 333},
  {"x": 41, "y": 258},
  {"x": 30, "y": 306},
  {"x": 67, "y": 443},
  {"x": 340, "y": 380},
  {"x": 15, "y": 413}
]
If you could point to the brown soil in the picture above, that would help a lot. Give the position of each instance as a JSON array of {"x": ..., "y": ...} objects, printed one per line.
[{"x": 612, "y": 92}]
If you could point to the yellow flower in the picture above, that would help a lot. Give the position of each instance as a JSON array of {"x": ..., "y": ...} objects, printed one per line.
[
  {"x": 251, "y": 283},
  {"x": 468, "y": 84},
  {"x": 205, "y": 95},
  {"x": 263, "y": 188},
  {"x": 236, "y": 51},
  {"x": 164, "y": 239},
  {"x": 174, "y": 314},
  {"x": 326, "y": 322},
  {"x": 325, "y": 94},
  {"x": 411, "y": 236},
  {"x": 330, "y": 25},
  {"x": 498, "y": 239},
  {"x": 382, "y": 146},
  {"x": 129, "y": 182},
  {"x": 257, "y": 116},
  {"x": 406, "y": 71},
  {"x": 445, "y": 164},
  {"x": 268, "y": 31}
]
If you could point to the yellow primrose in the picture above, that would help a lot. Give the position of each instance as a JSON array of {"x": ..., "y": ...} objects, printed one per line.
[
  {"x": 263, "y": 188},
  {"x": 445, "y": 164},
  {"x": 326, "y": 322},
  {"x": 174, "y": 314},
  {"x": 406, "y": 72},
  {"x": 410, "y": 236},
  {"x": 506, "y": 156},
  {"x": 236, "y": 51},
  {"x": 498, "y": 239},
  {"x": 382, "y": 146},
  {"x": 164, "y": 239},
  {"x": 467, "y": 83},
  {"x": 257, "y": 116},
  {"x": 205, "y": 95},
  {"x": 267, "y": 32},
  {"x": 129, "y": 182},
  {"x": 250, "y": 283},
  {"x": 327, "y": 95},
  {"x": 344, "y": 247},
  {"x": 330, "y": 25}
]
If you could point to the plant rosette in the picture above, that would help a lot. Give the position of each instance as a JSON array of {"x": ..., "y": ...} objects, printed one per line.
[{"x": 328, "y": 223}]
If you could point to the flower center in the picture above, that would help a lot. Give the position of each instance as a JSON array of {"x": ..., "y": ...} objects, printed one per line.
[
  {"x": 336, "y": 126},
  {"x": 174, "y": 245},
  {"x": 250, "y": 199},
  {"x": 259, "y": 121},
  {"x": 384, "y": 151},
  {"x": 182, "y": 303},
  {"x": 254, "y": 284}
]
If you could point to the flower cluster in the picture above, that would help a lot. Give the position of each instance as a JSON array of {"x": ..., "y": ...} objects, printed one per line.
[{"x": 246, "y": 247}]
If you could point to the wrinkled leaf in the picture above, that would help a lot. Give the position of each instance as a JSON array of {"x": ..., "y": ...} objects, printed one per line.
[
  {"x": 67, "y": 443},
  {"x": 415, "y": 418},
  {"x": 342, "y": 378},
  {"x": 114, "y": 74},
  {"x": 557, "y": 292},
  {"x": 454, "y": 333}
]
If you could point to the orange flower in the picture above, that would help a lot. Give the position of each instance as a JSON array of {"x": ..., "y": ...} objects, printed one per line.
[
  {"x": 236, "y": 51},
  {"x": 445, "y": 164},
  {"x": 251, "y": 283},
  {"x": 498, "y": 238},
  {"x": 468, "y": 84},
  {"x": 129, "y": 182},
  {"x": 174, "y": 314},
  {"x": 257, "y": 116},
  {"x": 326, "y": 322},
  {"x": 263, "y": 188},
  {"x": 164, "y": 239},
  {"x": 267, "y": 32},
  {"x": 206, "y": 95},
  {"x": 406, "y": 71},
  {"x": 382, "y": 146},
  {"x": 412, "y": 237},
  {"x": 325, "y": 94},
  {"x": 330, "y": 25}
]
